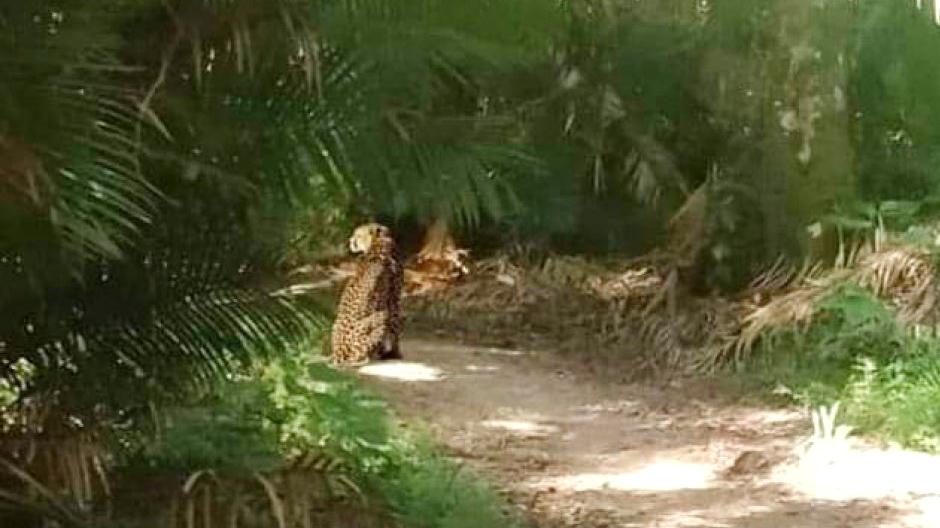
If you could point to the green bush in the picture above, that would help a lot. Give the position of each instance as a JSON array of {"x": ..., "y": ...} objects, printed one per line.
[
  {"x": 225, "y": 432},
  {"x": 431, "y": 492},
  {"x": 292, "y": 405},
  {"x": 887, "y": 377},
  {"x": 897, "y": 399}
]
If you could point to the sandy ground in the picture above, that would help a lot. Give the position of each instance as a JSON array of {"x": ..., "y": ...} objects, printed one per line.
[{"x": 570, "y": 451}]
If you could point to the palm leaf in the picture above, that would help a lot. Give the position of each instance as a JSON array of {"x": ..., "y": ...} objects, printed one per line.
[{"x": 79, "y": 132}]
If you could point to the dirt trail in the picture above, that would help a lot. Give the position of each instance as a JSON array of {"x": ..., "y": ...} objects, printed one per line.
[{"x": 572, "y": 452}]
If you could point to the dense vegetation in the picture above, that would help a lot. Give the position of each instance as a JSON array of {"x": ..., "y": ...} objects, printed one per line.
[{"x": 164, "y": 163}]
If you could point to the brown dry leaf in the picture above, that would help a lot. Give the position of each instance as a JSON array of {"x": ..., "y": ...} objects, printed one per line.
[{"x": 903, "y": 274}]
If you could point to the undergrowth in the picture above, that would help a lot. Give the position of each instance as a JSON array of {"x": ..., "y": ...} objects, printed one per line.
[
  {"x": 886, "y": 375},
  {"x": 290, "y": 409}
]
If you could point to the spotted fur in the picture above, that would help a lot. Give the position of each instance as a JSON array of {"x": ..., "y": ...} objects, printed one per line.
[{"x": 368, "y": 320}]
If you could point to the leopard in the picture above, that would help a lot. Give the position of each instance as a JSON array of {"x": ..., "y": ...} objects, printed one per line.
[{"x": 368, "y": 321}]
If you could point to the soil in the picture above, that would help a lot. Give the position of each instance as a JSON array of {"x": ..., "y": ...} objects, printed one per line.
[{"x": 573, "y": 449}]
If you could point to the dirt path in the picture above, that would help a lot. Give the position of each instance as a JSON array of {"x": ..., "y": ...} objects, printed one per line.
[{"x": 575, "y": 453}]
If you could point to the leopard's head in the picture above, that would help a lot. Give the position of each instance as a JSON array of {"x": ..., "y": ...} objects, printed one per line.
[{"x": 365, "y": 235}]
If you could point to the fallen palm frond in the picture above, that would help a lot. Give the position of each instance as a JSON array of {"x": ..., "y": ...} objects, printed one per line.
[
  {"x": 904, "y": 276},
  {"x": 790, "y": 309},
  {"x": 575, "y": 303},
  {"x": 639, "y": 307}
]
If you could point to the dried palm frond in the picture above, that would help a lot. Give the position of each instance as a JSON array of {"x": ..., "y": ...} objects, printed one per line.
[
  {"x": 782, "y": 275},
  {"x": 791, "y": 309},
  {"x": 290, "y": 496},
  {"x": 634, "y": 283},
  {"x": 578, "y": 302},
  {"x": 903, "y": 274},
  {"x": 788, "y": 297}
]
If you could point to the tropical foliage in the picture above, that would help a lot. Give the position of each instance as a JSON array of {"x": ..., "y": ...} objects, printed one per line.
[
  {"x": 154, "y": 156},
  {"x": 161, "y": 161}
]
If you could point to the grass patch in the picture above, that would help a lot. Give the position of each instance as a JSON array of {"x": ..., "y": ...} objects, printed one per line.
[{"x": 291, "y": 408}]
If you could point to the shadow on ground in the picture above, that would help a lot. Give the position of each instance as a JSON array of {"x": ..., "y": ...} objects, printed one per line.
[{"x": 570, "y": 451}]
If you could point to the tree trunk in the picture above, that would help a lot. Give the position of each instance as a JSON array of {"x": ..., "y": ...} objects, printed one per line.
[
  {"x": 786, "y": 91},
  {"x": 439, "y": 262},
  {"x": 438, "y": 242},
  {"x": 808, "y": 122}
]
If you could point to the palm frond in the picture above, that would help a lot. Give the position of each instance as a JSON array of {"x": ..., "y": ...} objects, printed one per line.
[
  {"x": 73, "y": 154},
  {"x": 165, "y": 320},
  {"x": 786, "y": 298}
]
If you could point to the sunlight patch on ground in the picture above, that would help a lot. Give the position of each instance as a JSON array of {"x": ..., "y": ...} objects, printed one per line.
[
  {"x": 482, "y": 368},
  {"x": 579, "y": 418},
  {"x": 664, "y": 475},
  {"x": 928, "y": 514},
  {"x": 526, "y": 427},
  {"x": 690, "y": 519},
  {"x": 402, "y": 371},
  {"x": 841, "y": 471},
  {"x": 610, "y": 406},
  {"x": 501, "y": 352}
]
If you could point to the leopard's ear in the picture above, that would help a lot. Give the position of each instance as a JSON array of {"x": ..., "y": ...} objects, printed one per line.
[{"x": 381, "y": 230}]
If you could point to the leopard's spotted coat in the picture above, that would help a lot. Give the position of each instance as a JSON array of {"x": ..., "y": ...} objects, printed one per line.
[{"x": 368, "y": 320}]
